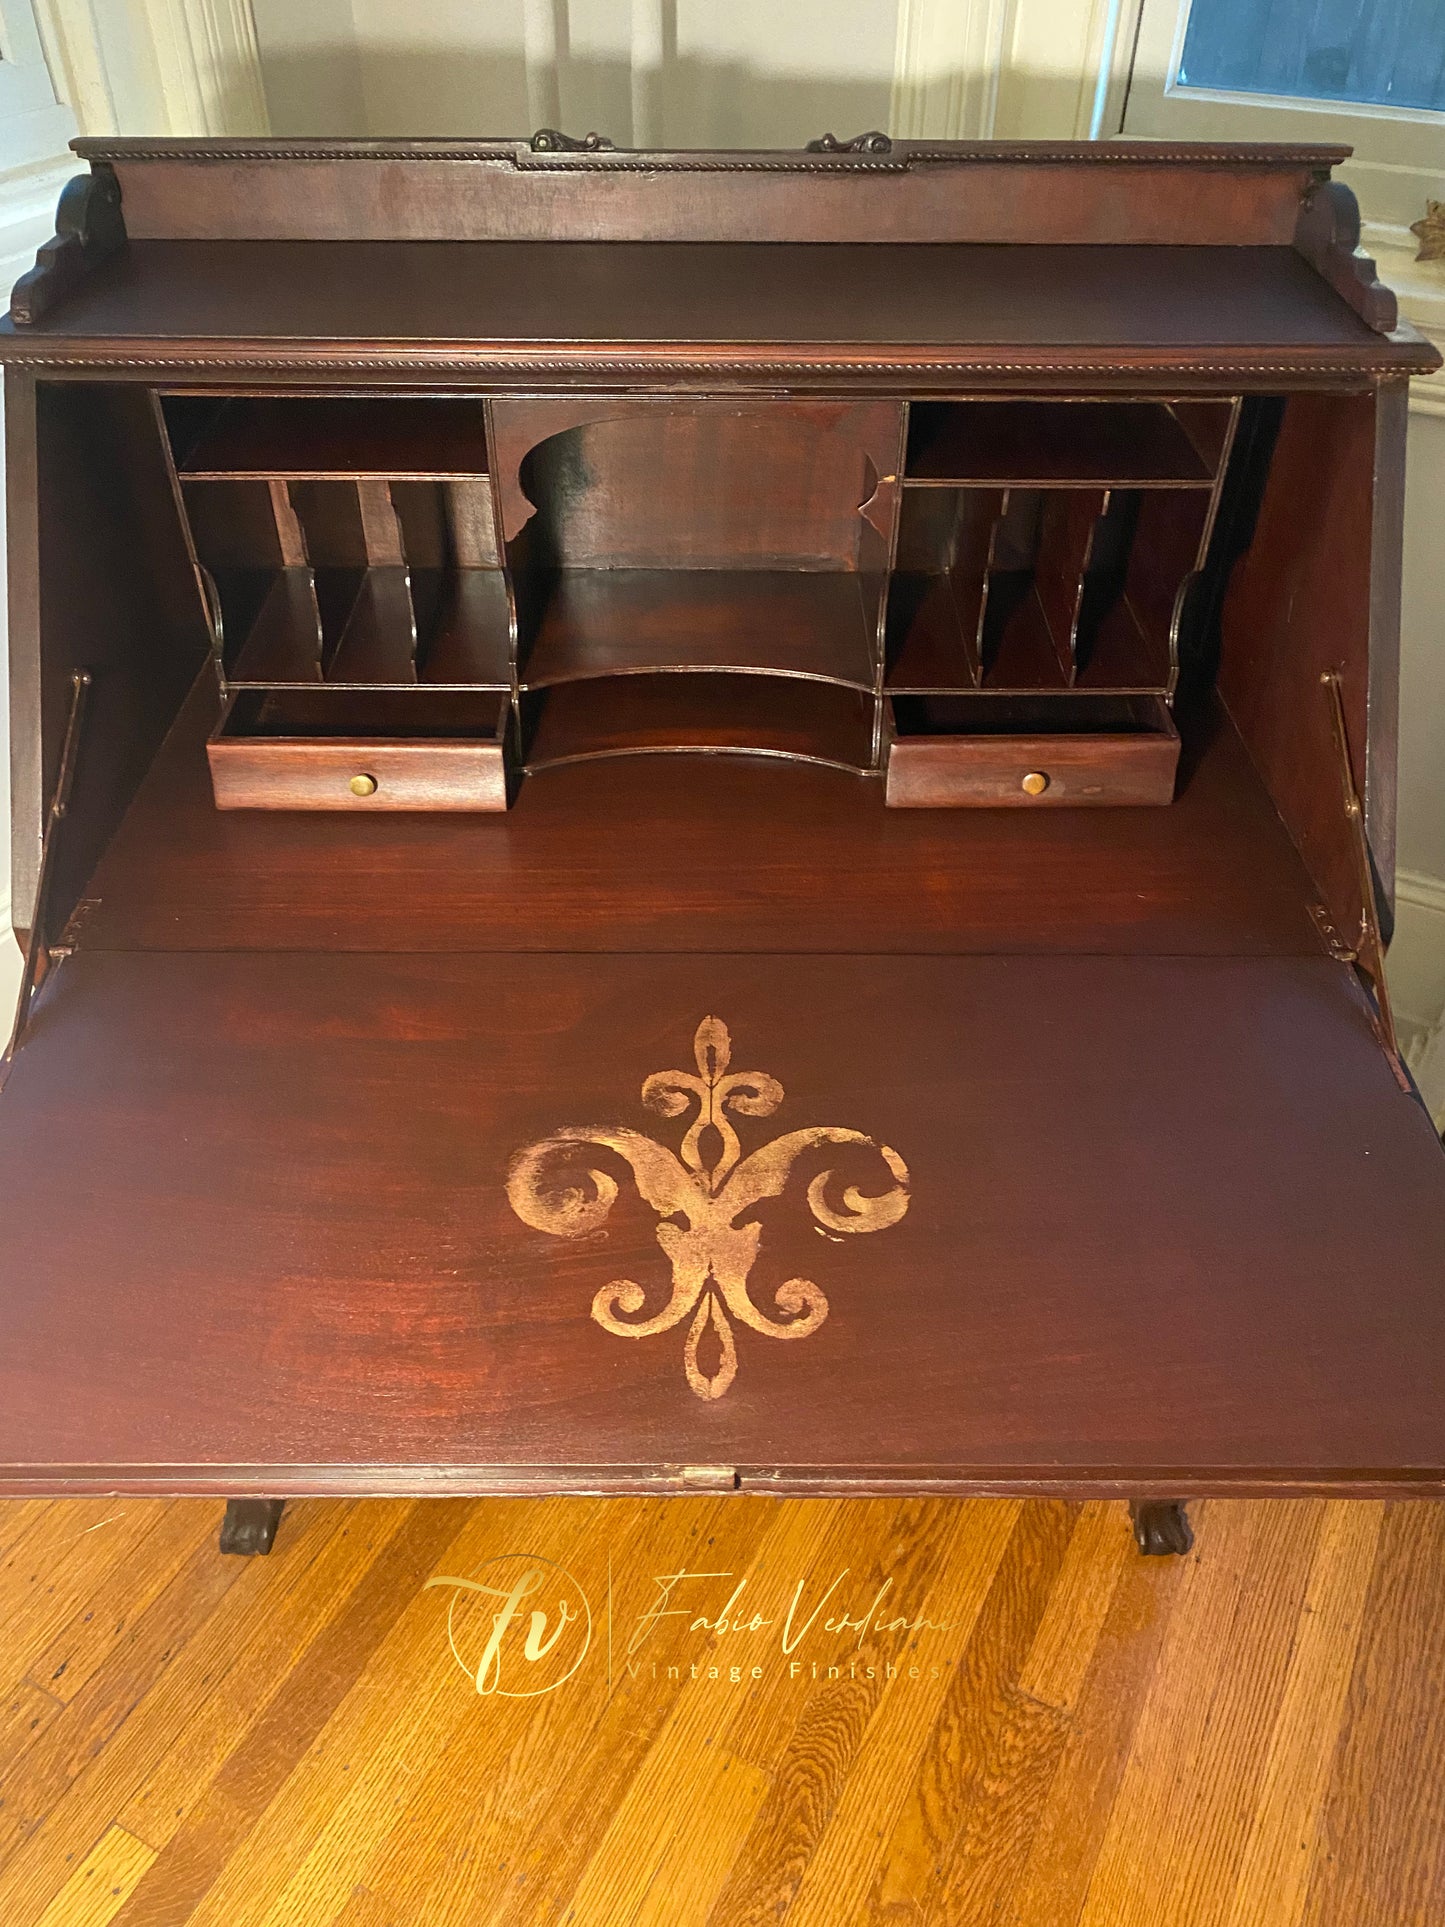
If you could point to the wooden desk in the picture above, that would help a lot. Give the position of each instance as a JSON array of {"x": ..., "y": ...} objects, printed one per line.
[{"x": 530, "y": 1001}]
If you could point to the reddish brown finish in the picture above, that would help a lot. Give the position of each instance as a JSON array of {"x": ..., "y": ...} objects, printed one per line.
[
  {"x": 1328, "y": 236},
  {"x": 709, "y": 316},
  {"x": 625, "y": 854},
  {"x": 763, "y": 716},
  {"x": 1026, "y": 445},
  {"x": 1168, "y": 1216},
  {"x": 1228, "y": 195},
  {"x": 308, "y": 437},
  {"x": 254, "y": 768},
  {"x": 1304, "y": 600},
  {"x": 1171, "y": 1224},
  {"x": 1002, "y": 771},
  {"x": 609, "y": 622},
  {"x": 622, "y": 483}
]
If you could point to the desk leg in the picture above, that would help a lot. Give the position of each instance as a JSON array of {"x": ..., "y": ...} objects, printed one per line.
[
  {"x": 1161, "y": 1525},
  {"x": 250, "y": 1525}
]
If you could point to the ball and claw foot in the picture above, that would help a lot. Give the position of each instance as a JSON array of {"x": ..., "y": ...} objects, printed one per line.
[
  {"x": 249, "y": 1526},
  {"x": 1161, "y": 1525}
]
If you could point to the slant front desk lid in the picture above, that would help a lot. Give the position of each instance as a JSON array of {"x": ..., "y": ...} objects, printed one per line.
[{"x": 797, "y": 1223}]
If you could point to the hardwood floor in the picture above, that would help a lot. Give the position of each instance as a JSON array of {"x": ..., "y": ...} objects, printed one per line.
[{"x": 1030, "y": 1725}]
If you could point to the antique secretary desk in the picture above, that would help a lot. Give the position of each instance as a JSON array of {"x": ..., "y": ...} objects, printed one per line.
[{"x": 709, "y": 821}]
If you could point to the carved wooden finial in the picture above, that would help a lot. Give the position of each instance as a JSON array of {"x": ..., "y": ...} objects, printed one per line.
[
  {"x": 551, "y": 140},
  {"x": 870, "y": 143},
  {"x": 1430, "y": 232}
]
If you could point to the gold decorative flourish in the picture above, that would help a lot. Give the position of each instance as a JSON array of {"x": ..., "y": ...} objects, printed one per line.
[
  {"x": 1430, "y": 232},
  {"x": 700, "y": 1196}
]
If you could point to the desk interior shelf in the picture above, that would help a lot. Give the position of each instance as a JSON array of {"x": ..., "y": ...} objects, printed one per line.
[{"x": 618, "y": 566}]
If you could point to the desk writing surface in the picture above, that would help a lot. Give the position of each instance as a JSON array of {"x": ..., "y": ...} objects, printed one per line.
[{"x": 1162, "y": 1215}]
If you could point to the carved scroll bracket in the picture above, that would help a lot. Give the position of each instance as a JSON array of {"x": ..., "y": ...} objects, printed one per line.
[
  {"x": 88, "y": 228},
  {"x": 1327, "y": 234}
]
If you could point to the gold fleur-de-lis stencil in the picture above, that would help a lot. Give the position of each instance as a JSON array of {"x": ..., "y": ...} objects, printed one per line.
[{"x": 706, "y": 1198}]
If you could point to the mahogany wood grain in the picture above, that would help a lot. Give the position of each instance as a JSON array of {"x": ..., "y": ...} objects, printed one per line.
[
  {"x": 1314, "y": 592},
  {"x": 989, "y": 770},
  {"x": 284, "y": 750},
  {"x": 761, "y": 716},
  {"x": 251, "y": 775},
  {"x": 1173, "y": 1227},
  {"x": 1144, "y": 1194},
  {"x": 611, "y": 622},
  {"x": 918, "y": 191},
  {"x": 1032, "y": 444},
  {"x": 629, "y": 482},
  {"x": 344, "y": 435},
  {"x": 516, "y": 314},
  {"x": 628, "y": 855},
  {"x": 102, "y": 582}
]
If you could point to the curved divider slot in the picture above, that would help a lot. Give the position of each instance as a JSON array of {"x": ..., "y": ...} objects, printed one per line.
[
  {"x": 1128, "y": 634},
  {"x": 354, "y": 582},
  {"x": 1041, "y": 589}
]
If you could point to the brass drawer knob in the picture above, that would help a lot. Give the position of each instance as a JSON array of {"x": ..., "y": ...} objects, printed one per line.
[
  {"x": 1035, "y": 783},
  {"x": 363, "y": 785}
]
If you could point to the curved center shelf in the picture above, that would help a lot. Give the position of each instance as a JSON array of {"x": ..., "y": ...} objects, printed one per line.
[
  {"x": 719, "y": 714},
  {"x": 620, "y": 622}
]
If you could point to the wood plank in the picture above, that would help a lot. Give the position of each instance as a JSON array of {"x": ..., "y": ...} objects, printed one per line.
[
  {"x": 96, "y": 1891},
  {"x": 645, "y": 1709},
  {"x": 1052, "y": 1885},
  {"x": 1208, "y": 1723},
  {"x": 196, "y": 1859},
  {"x": 660, "y": 1790},
  {"x": 1379, "y": 1855},
  {"x": 25, "y": 1711},
  {"x": 1279, "y": 1856},
  {"x": 1100, "y": 1550},
  {"x": 328, "y": 1818},
  {"x": 845, "y": 1861},
  {"x": 331, "y": 1550},
  {"x": 137, "y": 1754},
  {"x": 62, "y": 1751},
  {"x": 959, "y": 1829},
  {"x": 54, "y": 1571}
]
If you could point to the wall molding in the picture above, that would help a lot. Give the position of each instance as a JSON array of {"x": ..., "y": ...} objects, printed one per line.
[
  {"x": 1417, "y": 955},
  {"x": 179, "y": 67},
  {"x": 947, "y": 62}
]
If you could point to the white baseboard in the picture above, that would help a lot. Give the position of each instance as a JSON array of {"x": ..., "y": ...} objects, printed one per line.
[{"x": 1417, "y": 955}]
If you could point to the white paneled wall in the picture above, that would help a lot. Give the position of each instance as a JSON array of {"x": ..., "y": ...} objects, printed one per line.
[{"x": 753, "y": 73}]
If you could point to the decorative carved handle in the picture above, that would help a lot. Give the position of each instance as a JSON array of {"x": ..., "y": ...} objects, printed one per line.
[
  {"x": 873, "y": 142},
  {"x": 551, "y": 140}
]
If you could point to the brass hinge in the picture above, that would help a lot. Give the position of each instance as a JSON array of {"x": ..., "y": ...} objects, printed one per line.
[
  {"x": 68, "y": 941},
  {"x": 38, "y": 954},
  {"x": 710, "y": 1478},
  {"x": 1367, "y": 953}
]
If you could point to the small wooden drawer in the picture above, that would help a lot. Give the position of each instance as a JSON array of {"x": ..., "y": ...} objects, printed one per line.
[
  {"x": 1027, "y": 752},
  {"x": 329, "y": 749}
]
